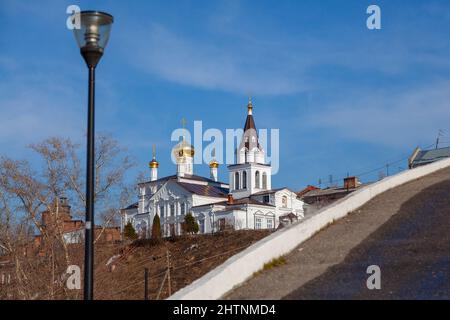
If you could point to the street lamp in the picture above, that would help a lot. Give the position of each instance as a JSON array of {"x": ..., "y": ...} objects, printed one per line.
[{"x": 92, "y": 37}]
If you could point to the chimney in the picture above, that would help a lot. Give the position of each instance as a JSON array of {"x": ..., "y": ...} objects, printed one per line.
[
  {"x": 230, "y": 199},
  {"x": 351, "y": 183}
]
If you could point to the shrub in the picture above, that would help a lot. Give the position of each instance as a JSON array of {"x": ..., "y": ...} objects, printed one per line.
[
  {"x": 129, "y": 232},
  {"x": 190, "y": 225},
  {"x": 156, "y": 228}
]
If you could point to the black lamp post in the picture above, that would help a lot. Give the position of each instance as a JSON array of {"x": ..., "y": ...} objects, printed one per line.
[{"x": 92, "y": 37}]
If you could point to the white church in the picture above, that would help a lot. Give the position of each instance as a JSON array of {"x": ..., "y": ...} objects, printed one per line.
[{"x": 246, "y": 202}]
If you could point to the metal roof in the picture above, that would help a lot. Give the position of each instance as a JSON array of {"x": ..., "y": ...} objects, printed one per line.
[
  {"x": 187, "y": 176},
  {"x": 204, "y": 190},
  {"x": 427, "y": 156}
]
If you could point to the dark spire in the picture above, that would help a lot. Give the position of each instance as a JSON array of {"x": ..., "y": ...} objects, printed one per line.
[{"x": 250, "y": 125}]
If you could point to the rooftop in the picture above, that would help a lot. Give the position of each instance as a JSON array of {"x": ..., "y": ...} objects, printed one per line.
[{"x": 427, "y": 156}]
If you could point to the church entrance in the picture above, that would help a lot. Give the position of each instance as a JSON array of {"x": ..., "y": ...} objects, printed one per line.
[
  {"x": 222, "y": 224},
  {"x": 172, "y": 232}
]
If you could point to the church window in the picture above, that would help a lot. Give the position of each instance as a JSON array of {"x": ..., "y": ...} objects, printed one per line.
[
  {"x": 264, "y": 180},
  {"x": 284, "y": 201},
  {"x": 258, "y": 223},
  {"x": 244, "y": 180},
  {"x": 172, "y": 209},
  {"x": 266, "y": 199},
  {"x": 183, "y": 209},
  {"x": 202, "y": 226},
  {"x": 161, "y": 211},
  {"x": 236, "y": 181},
  {"x": 269, "y": 223},
  {"x": 257, "y": 179}
]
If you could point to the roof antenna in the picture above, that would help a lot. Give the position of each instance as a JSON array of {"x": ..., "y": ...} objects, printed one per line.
[{"x": 440, "y": 134}]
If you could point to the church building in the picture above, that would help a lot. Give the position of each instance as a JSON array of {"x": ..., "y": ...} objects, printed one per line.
[{"x": 246, "y": 202}]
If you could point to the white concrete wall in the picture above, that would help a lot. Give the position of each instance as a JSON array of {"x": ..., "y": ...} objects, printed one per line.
[{"x": 240, "y": 267}]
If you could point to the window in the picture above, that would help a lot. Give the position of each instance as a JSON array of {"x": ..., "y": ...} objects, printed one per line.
[
  {"x": 258, "y": 223},
  {"x": 269, "y": 223},
  {"x": 266, "y": 199},
  {"x": 183, "y": 209},
  {"x": 257, "y": 179},
  {"x": 244, "y": 180},
  {"x": 202, "y": 226},
  {"x": 284, "y": 202},
  {"x": 161, "y": 211},
  {"x": 172, "y": 209},
  {"x": 264, "y": 180},
  {"x": 236, "y": 181}
]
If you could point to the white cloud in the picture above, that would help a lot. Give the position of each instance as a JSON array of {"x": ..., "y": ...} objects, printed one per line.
[
  {"x": 195, "y": 63},
  {"x": 31, "y": 112},
  {"x": 410, "y": 117}
]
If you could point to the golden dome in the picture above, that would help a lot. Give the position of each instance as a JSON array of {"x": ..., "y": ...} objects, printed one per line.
[
  {"x": 183, "y": 149},
  {"x": 153, "y": 164},
  {"x": 214, "y": 164}
]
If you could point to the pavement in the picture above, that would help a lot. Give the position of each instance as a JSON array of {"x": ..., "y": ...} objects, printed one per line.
[{"x": 404, "y": 231}]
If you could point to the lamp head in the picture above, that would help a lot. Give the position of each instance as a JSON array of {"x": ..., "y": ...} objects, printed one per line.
[{"x": 93, "y": 34}]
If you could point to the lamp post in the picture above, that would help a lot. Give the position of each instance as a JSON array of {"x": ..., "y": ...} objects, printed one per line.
[{"x": 92, "y": 37}]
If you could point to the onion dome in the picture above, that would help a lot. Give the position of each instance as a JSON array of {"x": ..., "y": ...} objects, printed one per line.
[
  {"x": 183, "y": 149},
  {"x": 214, "y": 164},
  {"x": 153, "y": 164}
]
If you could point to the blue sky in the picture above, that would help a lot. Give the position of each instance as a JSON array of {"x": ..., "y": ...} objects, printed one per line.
[{"x": 346, "y": 99}]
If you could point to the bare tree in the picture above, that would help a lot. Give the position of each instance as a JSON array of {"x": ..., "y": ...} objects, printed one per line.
[{"x": 25, "y": 193}]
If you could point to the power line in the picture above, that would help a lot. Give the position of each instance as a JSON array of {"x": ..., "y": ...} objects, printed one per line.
[{"x": 383, "y": 167}]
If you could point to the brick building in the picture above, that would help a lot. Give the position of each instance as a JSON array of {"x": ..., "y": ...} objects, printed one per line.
[{"x": 59, "y": 220}]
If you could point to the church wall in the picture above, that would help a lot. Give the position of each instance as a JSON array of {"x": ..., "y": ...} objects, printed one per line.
[
  {"x": 202, "y": 200},
  {"x": 293, "y": 204}
]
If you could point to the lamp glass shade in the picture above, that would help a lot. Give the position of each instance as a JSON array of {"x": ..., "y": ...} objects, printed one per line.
[{"x": 94, "y": 30}]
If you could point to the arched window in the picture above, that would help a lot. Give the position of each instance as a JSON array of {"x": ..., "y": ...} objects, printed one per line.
[
  {"x": 236, "y": 181},
  {"x": 244, "y": 180},
  {"x": 257, "y": 179},
  {"x": 264, "y": 181},
  {"x": 284, "y": 202}
]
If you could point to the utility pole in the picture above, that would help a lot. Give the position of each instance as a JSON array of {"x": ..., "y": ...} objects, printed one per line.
[
  {"x": 168, "y": 273},
  {"x": 146, "y": 284}
]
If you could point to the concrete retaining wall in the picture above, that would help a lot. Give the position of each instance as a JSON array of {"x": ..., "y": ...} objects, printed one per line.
[{"x": 240, "y": 267}]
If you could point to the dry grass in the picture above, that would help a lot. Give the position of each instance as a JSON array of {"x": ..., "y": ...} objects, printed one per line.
[
  {"x": 190, "y": 258},
  {"x": 272, "y": 264}
]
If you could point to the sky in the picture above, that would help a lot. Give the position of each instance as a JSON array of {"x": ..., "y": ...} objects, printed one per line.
[{"x": 346, "y": 99}]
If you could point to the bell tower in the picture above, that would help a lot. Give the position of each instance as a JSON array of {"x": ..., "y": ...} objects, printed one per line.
[{"x": 250, "y": 174}]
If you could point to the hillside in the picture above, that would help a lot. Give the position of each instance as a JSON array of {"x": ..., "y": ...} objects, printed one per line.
[{"x": 190, "y": 257}]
